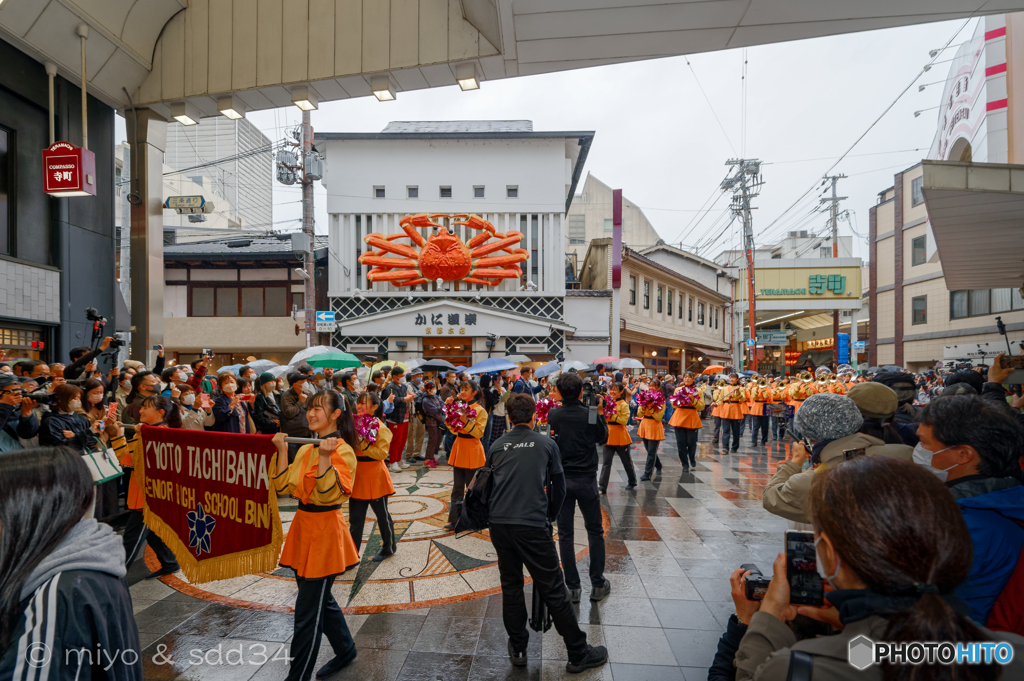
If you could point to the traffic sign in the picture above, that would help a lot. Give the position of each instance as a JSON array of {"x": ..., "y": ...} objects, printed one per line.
[
  {"x": 188, "y": 204},
  {"x": 750, "y": 342},
  {"x": 771, "y": 338},
  {"x": 326, "y": 327},
  {"x": 860, "y": 345},
  {"x": 324, "y": 317}
]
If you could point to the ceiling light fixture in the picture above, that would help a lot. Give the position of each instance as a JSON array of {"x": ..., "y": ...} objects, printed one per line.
[
  {"x": 231, "y": 106},
  {"x": 185, "y": 113},
  {"x": 465, "y": 75},
  {"x": 305, "y": 98},
  {"x": 382, "y": 88}
]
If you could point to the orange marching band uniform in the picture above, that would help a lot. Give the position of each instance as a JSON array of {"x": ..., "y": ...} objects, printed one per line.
[
  {"x": 798, "y": 391},
  {"x": 467, "y": 455},
  {"x": 652, "y": 432},
  {"x": 371, "y": 488},
  {"x": 686, "y": 421},
  {"x": 618, "y": 444},
  {"x": 617, "y": 433}
]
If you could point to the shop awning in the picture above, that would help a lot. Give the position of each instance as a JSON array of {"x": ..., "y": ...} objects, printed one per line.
[
  {"x": 976, "y": 212},
  {"x": 710, "y": 353}
]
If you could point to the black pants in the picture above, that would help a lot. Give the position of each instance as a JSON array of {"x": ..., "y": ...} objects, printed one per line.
[
  {"x": 733, "y": 426},
  {"x": 357, "y": 518},
  {"x": 716, "y": 437},
  {"x": 136, "y": 535},
  {"x": 584, "y": 492},
  {"x": 686, "y": 444},
  {"x": 462, "y": 478},
  {"x": 519, "y": 545},
  {"x": 317, "y": 614},
  {"x": 759, "y": 423},
  {"x": 653, "y": 461},
  {"x": 434, "y": 435},
  {"x": 610, "y": 452}
]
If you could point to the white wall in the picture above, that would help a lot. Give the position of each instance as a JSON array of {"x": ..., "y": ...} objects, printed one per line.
[
  {"x": 590, "y": 315},
  {"x": 702, "y": 274}
]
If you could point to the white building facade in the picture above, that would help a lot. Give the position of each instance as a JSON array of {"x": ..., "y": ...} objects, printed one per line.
[{"x": 502, "y": 171}]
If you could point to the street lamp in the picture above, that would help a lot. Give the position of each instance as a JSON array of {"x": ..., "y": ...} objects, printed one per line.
[
  {"x": 918, "y": 113},
  {"x": 382, "y": 88}
]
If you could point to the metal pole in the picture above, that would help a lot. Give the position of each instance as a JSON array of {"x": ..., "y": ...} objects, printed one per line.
[
  {"x": 834, "y": 217},
  {"x": 51, "y": 71},
  {"x": 307, "y": 229},
  {"x": 83, "y": 32}
]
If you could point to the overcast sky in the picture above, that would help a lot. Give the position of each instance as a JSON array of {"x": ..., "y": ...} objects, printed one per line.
[{"x": 657, "y": 137}]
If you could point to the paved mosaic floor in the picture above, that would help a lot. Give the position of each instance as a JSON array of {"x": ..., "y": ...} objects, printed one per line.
[{"x": 434, "y": 610}]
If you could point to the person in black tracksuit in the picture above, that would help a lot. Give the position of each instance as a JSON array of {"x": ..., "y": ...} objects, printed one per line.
[
  {"x": 577, "y": 441},
  {"x": 528, "y": 486}
]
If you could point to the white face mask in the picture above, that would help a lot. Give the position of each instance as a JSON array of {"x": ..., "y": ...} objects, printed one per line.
[
  {"x": 75, "y": 405},
  {"x": 189, "y": 400},
  {"x": 821, "y": 567},
  {"x": 924, "y": 458},
  {"x": 182, "y": 378},
  {"x": 229, "y": 388}
]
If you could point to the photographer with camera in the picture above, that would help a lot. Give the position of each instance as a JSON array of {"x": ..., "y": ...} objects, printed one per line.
[
  {"x": 82, "y": 357},
  {"x": 17, "y": 420},
  {"x": 577, "y": 437}
]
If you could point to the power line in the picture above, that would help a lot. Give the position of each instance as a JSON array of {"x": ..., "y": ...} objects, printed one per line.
[{"x": 710, "y": 106}]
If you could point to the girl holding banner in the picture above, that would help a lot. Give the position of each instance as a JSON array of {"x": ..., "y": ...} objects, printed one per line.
[
  {"x": 319, "y": 546},
  {"x": 372, "y": 485}
]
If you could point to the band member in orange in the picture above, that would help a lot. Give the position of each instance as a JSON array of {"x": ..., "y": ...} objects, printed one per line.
[
  {"x": 372, "y": 486},
  {"x": 686, "y": 420},
  {"x": 319, "y": 546},
  {"x": 731, "y": 412},
  {"x": 467, "y": 452},
  {"x": 652, "y": 432},
  {"x": 619, "y": 441}
]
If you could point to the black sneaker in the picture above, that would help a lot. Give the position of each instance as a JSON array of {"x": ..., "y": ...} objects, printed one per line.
[
  {"x": 168, "y": 570},
  {"x": 517, "y": 659},
  {"x": 600, "y": 592},
  {"x": 631, "y": 485},
  {"x": 382, "y": 556},
  {"x": 602, "y": 490},
  {"x": 594, "y": 657},
  {"x": 334, "y": 666},
  {"x": 645, "y": 478}
]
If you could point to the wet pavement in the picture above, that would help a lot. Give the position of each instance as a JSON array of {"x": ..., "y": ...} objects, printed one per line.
[{"x": 671, "y": 545}]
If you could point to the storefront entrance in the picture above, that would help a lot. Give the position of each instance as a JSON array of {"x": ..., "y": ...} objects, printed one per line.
[
  {"x": 459, "y": 354},
  {"x": 23, "y": 341}
]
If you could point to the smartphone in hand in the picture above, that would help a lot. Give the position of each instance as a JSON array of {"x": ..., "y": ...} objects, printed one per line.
[{"x": 806, "y": 587}]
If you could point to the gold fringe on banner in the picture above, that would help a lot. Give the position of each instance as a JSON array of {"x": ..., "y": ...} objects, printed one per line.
[{"x": 201, "y": 570}]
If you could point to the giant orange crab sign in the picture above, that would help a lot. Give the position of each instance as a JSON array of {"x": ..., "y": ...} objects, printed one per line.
[{"x": 443, "y": 256}]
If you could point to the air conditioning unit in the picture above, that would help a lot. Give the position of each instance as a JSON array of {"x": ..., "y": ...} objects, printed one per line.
[{"x": 360, "y": 348}]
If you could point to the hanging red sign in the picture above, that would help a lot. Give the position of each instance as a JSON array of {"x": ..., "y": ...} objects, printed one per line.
[{"x": 69, "y": 170}]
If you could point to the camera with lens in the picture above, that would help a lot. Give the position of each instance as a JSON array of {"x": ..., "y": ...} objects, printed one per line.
[
  {"x": 117, "y": 342},
  {"x": 755, "y": 584},
  {"x": 41, "y": 396},
  {"x": 93, "y": 315},
  {"x": 590, "y": 396}
]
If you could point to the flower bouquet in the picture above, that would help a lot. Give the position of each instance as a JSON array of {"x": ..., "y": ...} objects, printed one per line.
[
  {"x": 457, "y": 414},
  {"x": 686, "y": 397},
  {"x": 651, "y": 400},
  {"x": 367, "y": 427},
  {"x": 611, "y": 408},
  {"x": 544, "y": 405}
]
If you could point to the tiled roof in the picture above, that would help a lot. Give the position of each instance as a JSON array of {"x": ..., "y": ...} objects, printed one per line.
[
  {"x": 236, "y": 245},
  {"x": 458, "y": 126}
]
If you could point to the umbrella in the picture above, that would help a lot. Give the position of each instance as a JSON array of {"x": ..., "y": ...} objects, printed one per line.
[
  {"x": 548, "y": 369},
  {"x": 277, "y": 372},
  {"x": 491, "y": 364},
  {"x": 302, "y": 355},
  {"x": 334, "y": 360},
  {"x": 388, "y": 363},
  {"x": 518, "y": 359},
  {"x": 233, "y": 368},
  {"x": 749, "y": 373},
  {"x": 893, "y": 368},
  {"x": 713, "y": 369},
  {"x": 605, "y": 360},
  {"x": 435, "y": 364},
  {"x": 460, "y": 368},
  {"x": 261, "y": 365},
  {"x": 415, "y": 363},
  {"x": 872, "y": 370},
  {"x": 628, "y": 363},
  {"x": 573, "y": 364}
]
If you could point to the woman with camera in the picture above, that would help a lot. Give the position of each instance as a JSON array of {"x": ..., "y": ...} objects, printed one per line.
[
  {"x": 892, "y": 544},
  {"x": 231, "y": 409}
]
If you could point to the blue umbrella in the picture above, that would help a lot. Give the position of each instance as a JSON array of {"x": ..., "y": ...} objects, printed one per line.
[
  {"x": 492, "y": 364},
  {"x": 460, "y": 368},
  {"x": 548, "y": 369},
  {"x": 749, "y": 373},
  {"x": 233, "y": 368}
]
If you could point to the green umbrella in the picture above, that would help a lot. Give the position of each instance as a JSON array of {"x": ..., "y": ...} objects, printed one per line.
[{"x": 333, "y": 360}]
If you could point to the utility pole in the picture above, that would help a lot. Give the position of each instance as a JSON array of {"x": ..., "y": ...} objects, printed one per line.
[
  {"x": 834, "y": 219},
  {"x": 309, "y": 300},
  {"x": 745, "y": 184}
]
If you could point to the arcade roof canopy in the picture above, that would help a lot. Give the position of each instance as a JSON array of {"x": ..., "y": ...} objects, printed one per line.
[{"x": 269, "y": 52}]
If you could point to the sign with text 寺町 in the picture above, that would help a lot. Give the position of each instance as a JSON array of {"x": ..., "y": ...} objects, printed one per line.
[
  {"x": 209, "y": 497},
  {"x": 69, "y": 170},
  {"x": 817, "y": 283}
]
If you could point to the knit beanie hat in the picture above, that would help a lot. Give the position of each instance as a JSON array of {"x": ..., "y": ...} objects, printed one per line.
[
  {"x": 902, "y": 382},
  {"x": 133, "y": 364},
  {"x": 826, "y": 417},
  {"x": 265, "y": 377},
  {"x": 874, "y": 400}
]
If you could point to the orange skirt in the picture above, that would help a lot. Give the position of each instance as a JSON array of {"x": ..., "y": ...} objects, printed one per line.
[
  {"x": 135, "y": 496},
  {"x": 373, "y": 481},
  {"x": 756, "y": 409},
  {"x": 319, "y": 545},
  {"x": 731, "y": 410},
  {"x": 651, "y": 429},
  {"x": 685, "y": 417},
  {"x": 618, "y": 435},
  {"x": 467, "y": 452}
]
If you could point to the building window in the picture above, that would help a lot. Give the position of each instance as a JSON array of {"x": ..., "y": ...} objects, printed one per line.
[
  {"x": 413, "y": 192},
  {"x": 512, "y": 191},
  {"x": 236, "y": 301},
  {"x": 919, "y": 308},
  {"x": 478, "y": 192},
  {"x": 979, "y": 302},
  {"x": 378, "y": 192},
  {"x": 700, "y": 314},
  {"x": 716, "y": 317},
  {"x": 916, "y": 195},
  {"x": 632, "y": 290},
  {"x": 680, "y": 305},
  {"x": 825, "y": 252},
  {"x": 660, "y": 290},
  {"x": 669, "y": 301},
  {"x": 689, "y": 309},
  {"x": 607, "y": 225},
  {"x": 647, "y": 295},
  {"x": 446, "y": 192},
  {"x": 577, "y": 229},
  {"x": 1002, "y": 300},
  {"x": 917, "y": 250},
  {"x": 7, "y": 194}
]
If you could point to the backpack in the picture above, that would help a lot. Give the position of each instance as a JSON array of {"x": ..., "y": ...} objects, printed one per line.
[
  {"x": 418, "y": 404},
  {"x": 473, "y": 513}
]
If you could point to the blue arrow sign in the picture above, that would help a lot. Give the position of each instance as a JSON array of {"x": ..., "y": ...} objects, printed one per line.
[
  {"x": 325, "y": 316},
  {"x": 750, "y": 342}
]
